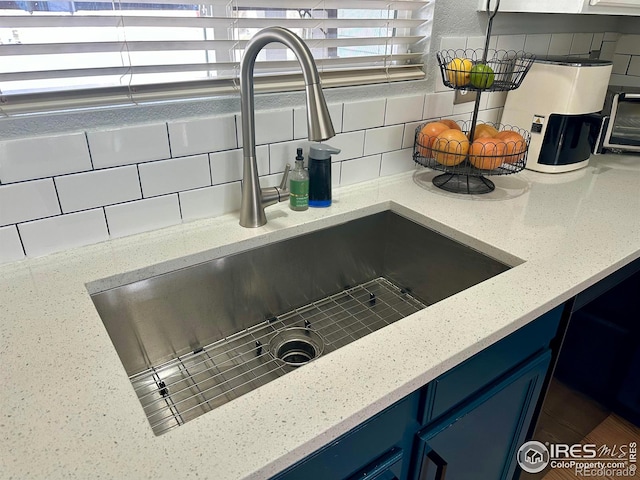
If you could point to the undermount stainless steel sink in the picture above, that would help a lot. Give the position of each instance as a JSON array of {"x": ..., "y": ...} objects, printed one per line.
[{"x": 198, "y": 337}]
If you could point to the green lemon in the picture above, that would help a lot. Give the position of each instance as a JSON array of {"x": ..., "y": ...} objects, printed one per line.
[{"x": 481, "y": 76}]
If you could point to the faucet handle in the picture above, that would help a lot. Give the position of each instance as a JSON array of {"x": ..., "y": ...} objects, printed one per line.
[{"x": 284, "y": 184}]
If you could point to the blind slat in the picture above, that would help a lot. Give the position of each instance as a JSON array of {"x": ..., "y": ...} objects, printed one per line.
[
  {"x": 159, "y": 46},
  {"x": 404, "y": 5},
  {"x": 100, "y": 97},
  {"x": 51, "y": 21},
  {"x": 260, "y": 67}
]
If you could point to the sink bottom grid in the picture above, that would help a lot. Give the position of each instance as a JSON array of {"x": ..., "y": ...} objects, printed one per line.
[{"x": 192, "y": 384}]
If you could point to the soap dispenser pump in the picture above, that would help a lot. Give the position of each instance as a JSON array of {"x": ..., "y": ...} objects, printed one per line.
[{"x": 320, "y": 174}]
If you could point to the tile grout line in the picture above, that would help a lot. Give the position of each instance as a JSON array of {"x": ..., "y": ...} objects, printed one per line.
[
  {"x": 24, "y": 250},
  {"x": 166, "y": 124},
  {"x": 106, "y": 220},
  {"x": 86, "y": 138},
  {"x": 55, "y": 188}
]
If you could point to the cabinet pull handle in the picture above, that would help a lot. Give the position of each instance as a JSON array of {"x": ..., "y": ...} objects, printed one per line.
[{"x": 438, "y": 461}]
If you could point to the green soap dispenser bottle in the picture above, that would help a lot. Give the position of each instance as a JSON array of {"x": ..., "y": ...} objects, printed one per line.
[{"x": 299, "y": 185}]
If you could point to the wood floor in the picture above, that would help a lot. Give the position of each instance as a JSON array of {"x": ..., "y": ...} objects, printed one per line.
[
  {"x": 612, "y": 431},
  {"x": 571, "y": 417}
]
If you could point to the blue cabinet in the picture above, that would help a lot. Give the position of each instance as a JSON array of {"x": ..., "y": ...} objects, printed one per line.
[
  {"x": 480, "y": 438},
  {"x": 469, "y": 422},
  {"x": 379, "y": 447}
]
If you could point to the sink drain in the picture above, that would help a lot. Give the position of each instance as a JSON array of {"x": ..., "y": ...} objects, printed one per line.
[{"x": 296, "y": 346}]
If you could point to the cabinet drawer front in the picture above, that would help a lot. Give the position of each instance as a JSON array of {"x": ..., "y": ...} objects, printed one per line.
[
  {"x": 386, "y": 467},
  {"x": 362, "y": 450},
  {"x": 453, "y": 387}
]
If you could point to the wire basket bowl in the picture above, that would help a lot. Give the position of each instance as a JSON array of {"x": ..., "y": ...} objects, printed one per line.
[
  {"x": 501, "y": 71},
  {"x": 469, "y": 162}
]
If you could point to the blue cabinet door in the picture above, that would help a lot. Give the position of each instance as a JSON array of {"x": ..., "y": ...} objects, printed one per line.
[{"x": 479, "y": 439}]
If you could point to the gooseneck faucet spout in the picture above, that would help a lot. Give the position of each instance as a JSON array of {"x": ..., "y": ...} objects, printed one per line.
[{"x": 254, "y": 198}]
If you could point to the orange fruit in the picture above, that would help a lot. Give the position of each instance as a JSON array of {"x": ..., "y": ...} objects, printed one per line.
[
  {"x": 451, "y": 147},
  {"x": 427, "y": 136},
  {"x": 487, "y": 153},
  {"x": 515, "y": 145},
  {"x": 484, "y": 130},
  {"x": 450, "y": 123}
]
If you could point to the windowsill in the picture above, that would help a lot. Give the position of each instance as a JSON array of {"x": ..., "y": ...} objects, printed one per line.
[{"x": 105, "y": 117}]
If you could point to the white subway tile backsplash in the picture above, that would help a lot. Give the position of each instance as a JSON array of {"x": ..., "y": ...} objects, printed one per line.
[
  {"x": 463, "y": 117},
  {"x": 476, "y": 43},
  {"x": 336, "y": 171},
  {"x": 629, "y": 44},
  {"x": 537, "y": 44},
  {"x": 127, "y": 145},
  {"x": 496, "y": 99},
  {"x": 83, "y": 191},
  {"x": 383, "y": 139},
  {"x": 10, "y": 245},
  {"x": 38, "y": 157},
  {"x": 620, "y": 64},
  {"x": 607, "y": 51},
  {"x": 404, "y": 109},
  {"x": 175, "y": 175},
  {"x": 282, "y": 153},
  {"x": 560, "y": 43},
  {"x": 227, "y": 166},
  {"x": 511, "y": 42},
  {"x": 300, "y": 120},
  {"x": 210, "y": 201},
  {"x": 271, "y": 126},
  {"x": 271, "y": 180},
  {"x": 361, "y": 115},
  {"x": 143, "y": 215},
  {"x": 21, "y": 202},
  {"x": 453, "y": 43},
  {"x": 351, "y": 145},
  {"x": 397, "y": 162},
  {"x": 190, "y": 137},
  {"x": 438, "y": 105},
  {"x": 409, "y": 135},
  {"x": 623, "y": 80},
  {"x": 611, "y": 36},
  {"x": 596, "y": 43},
  {"x": 54, "y": 234},
  {"x": 492, "y": 116},
  {"x": 634, "y": 66},
  {"x": 467, "y": 107},
  {"x": 360, "y": 169},
  {"x": 581, "y": 43}
]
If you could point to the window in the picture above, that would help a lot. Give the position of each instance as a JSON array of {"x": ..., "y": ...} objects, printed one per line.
[{"x": 94, "y": 52}]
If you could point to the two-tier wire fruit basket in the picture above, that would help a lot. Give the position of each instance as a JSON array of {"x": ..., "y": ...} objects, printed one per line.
[{"x": 468, "y": 152}]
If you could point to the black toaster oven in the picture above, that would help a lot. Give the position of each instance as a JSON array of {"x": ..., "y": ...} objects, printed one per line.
[{"x": 619, "y": 130}]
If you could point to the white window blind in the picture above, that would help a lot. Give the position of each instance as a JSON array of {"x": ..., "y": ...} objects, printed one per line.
[
  {"x": 63, "y": 53},
  {"x": 95, "y": 53}
]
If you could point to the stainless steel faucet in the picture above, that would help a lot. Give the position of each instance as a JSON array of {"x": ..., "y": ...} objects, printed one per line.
[{"x": 254, "y": 198}]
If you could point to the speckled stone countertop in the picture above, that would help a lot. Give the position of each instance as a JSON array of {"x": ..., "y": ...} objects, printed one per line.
[{"x": 67, "y": 409}]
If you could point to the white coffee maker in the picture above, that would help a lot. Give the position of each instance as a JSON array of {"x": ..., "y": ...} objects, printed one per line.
[{"x": 558, "y": 100}]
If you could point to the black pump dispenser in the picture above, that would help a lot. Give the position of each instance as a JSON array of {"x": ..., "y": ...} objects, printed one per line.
[{"x": 320, "y": 174}]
